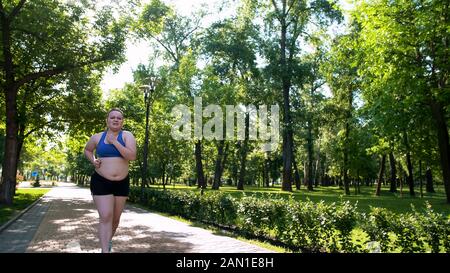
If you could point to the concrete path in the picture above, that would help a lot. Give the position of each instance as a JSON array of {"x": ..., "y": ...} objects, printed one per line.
[{"x": 65, "y": 220}]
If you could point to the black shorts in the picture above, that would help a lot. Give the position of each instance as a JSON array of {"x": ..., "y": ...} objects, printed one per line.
[{"x": 102, "y": 186}]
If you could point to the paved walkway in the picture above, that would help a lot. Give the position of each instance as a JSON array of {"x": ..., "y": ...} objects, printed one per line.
[{"x": 65, "y": 220}]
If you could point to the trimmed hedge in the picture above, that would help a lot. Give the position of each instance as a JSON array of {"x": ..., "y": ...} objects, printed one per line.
[{"x": 306, "y": 226}]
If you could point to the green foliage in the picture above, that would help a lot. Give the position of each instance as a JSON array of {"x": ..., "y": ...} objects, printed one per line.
[
  {"x": 345, "y": 220},
  {"x": 401, "y": 45},
  {"x": 49, "y": 159},
  {"x": 377, "y": 225},
  {"x": 153, "y": 17},
  {"x": 311, "y": 227},
  {"x": 64, "y": 39},
  {"x": 408, "y": 237},
  {"x": 434, "y": 227},
  {"x": 261, "y": 217},
  {"x": 51, "y": 69},
  {"x": 414, "y": 232},
  {"x": 78, "y": 166},
  {"x": 231, "y": 47},
  {"x": 305, "y": 225}
]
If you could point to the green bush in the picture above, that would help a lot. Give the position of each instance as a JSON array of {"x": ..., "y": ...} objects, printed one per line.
[
  {"x": 345, "y": 220},
  {"x": 408, "y": 236},
  {"x": 307, "y": 226},
  {"x": 432, "y": 227},
  {"x": 378, "y": 225}
]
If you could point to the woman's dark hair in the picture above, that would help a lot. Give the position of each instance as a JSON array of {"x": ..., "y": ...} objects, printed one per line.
[{"x": 114, "y": 109}]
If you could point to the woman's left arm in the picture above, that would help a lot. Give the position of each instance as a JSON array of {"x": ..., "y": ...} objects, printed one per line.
[{"x": 129, "y": 150}]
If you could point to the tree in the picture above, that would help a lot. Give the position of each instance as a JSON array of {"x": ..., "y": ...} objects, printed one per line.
[
  {"x": 341, "y": 73},
  {"x": 407, "y": 43},
  {"x": 48, "y": 53},
  {"x": 230, "y": 47},
  {"x": 287, "y": 21},
  {"x": 174, "y": 33},
  {"x": 310, "y": 106}
]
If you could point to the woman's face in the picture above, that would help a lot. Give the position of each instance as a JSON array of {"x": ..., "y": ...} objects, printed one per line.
[{"x": 114, "y": 120}]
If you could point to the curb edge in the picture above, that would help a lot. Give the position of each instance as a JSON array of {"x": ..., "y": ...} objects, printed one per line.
[{"x": 22, "y": 212}]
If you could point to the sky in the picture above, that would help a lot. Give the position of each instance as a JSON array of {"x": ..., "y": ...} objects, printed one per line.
[{"x": 139, "y": 52}]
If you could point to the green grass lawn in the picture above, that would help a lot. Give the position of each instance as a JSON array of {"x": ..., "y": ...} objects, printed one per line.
[
  {"x": 22, "y": 199},
  {"x": 392, "y": 201}
]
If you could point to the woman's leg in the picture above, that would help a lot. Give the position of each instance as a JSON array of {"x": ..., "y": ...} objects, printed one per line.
[
  {"x": 119, "y": 204},
  {"x": 105, "y": 208}
]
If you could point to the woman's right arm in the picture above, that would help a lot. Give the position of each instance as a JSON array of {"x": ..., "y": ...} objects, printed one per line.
[{"x": 89, "y": 151}]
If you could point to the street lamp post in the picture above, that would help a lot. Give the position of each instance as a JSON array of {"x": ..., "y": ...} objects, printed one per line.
[{"x": 148, "y": 91}]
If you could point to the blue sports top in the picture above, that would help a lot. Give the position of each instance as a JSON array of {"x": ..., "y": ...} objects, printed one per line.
[{"x": 109, "y": 150}]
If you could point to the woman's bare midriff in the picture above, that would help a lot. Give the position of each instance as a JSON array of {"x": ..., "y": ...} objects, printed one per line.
[{"x": 113, "y": 168}]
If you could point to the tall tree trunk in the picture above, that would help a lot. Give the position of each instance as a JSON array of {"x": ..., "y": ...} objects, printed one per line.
[
  {"x": 265, "y": 175},
  {"x": 305, "y": 173},
  {"x": 267, "y": 164},
  {"x": 393, "y": 177},
  {"x": 401, "y": 178},
  {"x": 443, "y": 141},
  {"x": 199, "y": 165},
  {"x": 345, "y": 169},
  {"x": 287, "y": 122},
  {"x": 218, "y": 167},
  {"x": 224, "y": 159},
  {"x": 409, "y": 177},
  {"x": 317, "y": 172},
  {"x": 440, "y": 80},
  {"x": 163, "y": 180},
  {"x": 9, "y": 166},
  {"x": 429, "y": 177},
  {"x": 244, "y": 149},
  {"x": 310, "y": 149},
  {"x": 324, "y": 178},
  {"x": 347, "y": 141},
  {"x": 357, "y": 190},
  {"x": 380, "y": 175},
  {"x": 296, "y": 175},
  {"x": 420, "y": 178},
  {"x": 8, "y": 183}
]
